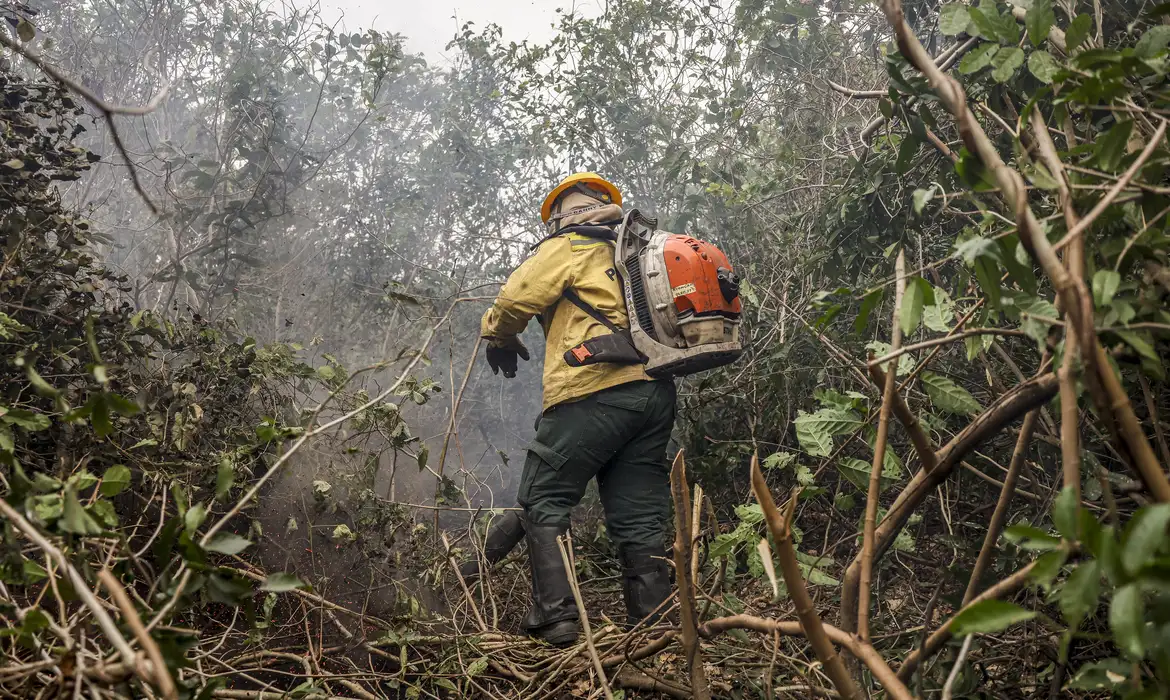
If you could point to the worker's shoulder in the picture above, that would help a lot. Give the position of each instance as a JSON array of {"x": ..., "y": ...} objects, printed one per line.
[{"x": 580, "y": 242}]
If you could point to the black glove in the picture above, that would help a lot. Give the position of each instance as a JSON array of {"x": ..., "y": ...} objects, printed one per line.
[{"x": 504, "y": 358}]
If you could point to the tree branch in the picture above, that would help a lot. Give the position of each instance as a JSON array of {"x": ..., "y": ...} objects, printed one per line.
[
  {"x": 879, "y": 455},
  {"x": 780, "y": 525},
  {"x": 107, "y": 110},
  {"x": 682, "y": 565},
  {"x": 788, "y": 628}
]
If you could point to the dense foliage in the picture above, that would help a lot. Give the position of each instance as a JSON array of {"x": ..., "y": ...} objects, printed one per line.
[{"x": 1002, "y": 232}]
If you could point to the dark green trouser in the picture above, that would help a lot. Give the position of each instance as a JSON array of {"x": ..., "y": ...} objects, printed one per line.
[{"x": 618, "y": 435}]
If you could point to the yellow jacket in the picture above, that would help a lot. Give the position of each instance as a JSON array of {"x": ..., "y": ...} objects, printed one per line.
[{"x": 536, "y": 288}]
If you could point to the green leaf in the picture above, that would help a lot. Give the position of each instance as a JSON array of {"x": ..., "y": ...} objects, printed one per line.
[
  {"x": 1107, "y": 674},
  {"x": 940, "y": 315},
  {"x": 282, "y": 582},
  {"x": 814, "y": 431},
  {"x": 99, "y": 415},
  {"x": 74, "y": 519},
  {"x": 1078, "y": 597},
  {"x": 984, "y": 22},
  {"x": 948, "y": 396},
  {"x": 978, "y": 58},
  {"x": 115, "y": 480},
  {"x": 1126, "y": 619},
  {"x": 1039, "y": 21},
  {"x": 1031, "y": 538},
  {"x": 921, "y": 198},
  {"x": 989, "y": 617},
  {"x": 195, "y": 516},
  {"x": 953, "y": 19},
  {"x": 778, "y": 460},
  {"x": 121, "y": 404},
  {"x": 47, "y": 507},
  {"x": 227, "y": 543},
  {"x": 750, "y": 513},
  {"x": 1110, "y": 147},
  {"x": 1048, "y": 567},
  {"x": 225, "y": 476},
  {"x": 1033, "y": 311},
  {"x": 1140, "y": 341},
  {"x": 868, "y": 303},
  {"x": 1153, "y": 41},
  {"x": 34, "y": 572},
  {"x": 975, "y": 248},
  {"x": 1064, "y": 513},
  {"x": 1144, "y": 535},
  {"x": 103, "y": 513},
  {"x": 14, "y": 164},
  {"x": 913, "y": 300},
  {"x": 1005, "y": 63},
  {"x": 25, "y": 30},
  {"x": 813, "y": 569},
  {"x": 857, "y": 472},
  {"x": 82, "y": 480},
  {"x": 906, "y": 153},
  {"x": 1078, "y": 30},
  {"x": 1044, "y": 67},
  {"x": 28, "y": 420},
  {"x": 43, "y": 483},
  {"x": 423, "y": 453},
  {"x": 1040, "y": 176}
]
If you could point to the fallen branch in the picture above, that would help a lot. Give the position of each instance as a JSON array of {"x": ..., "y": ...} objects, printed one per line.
[
  {"x": 105, "y": 622},
  {"x": 788, "y": 628}
]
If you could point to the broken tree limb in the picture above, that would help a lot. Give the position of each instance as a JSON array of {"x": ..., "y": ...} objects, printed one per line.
[
  {"x": 682, "y": 564},
  {"x": 780, "y": 525}
]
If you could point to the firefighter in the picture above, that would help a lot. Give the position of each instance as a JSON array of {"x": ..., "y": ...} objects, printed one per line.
[{"x": 601, "y": 419}]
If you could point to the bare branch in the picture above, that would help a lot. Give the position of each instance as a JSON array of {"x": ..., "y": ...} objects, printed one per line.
[
  {"x": 780, "y": 525},
  {"x": 104, "y": 107}
]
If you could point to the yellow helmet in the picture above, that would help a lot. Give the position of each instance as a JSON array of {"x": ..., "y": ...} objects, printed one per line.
[{"x": 592, "y": 180}]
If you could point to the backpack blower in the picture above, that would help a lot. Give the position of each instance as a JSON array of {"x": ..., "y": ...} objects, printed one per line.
[{"x": 682, "y": 299}]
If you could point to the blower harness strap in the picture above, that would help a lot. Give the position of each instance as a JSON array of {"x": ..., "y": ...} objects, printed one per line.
[{"x": 616, "y": 347}]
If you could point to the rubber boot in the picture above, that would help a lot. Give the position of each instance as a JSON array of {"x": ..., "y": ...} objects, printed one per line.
[
  {"x": 554, "y": 615},
  {"x": 502, "y": 537},
  {"x": 646, "y": 584}
]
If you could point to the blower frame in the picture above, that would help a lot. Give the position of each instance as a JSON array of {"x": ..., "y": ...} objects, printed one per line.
[{"x": 653, "y": 288}]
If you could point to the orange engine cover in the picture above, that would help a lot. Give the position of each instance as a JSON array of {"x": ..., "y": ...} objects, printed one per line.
[{"x": 695, "y": 269}]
